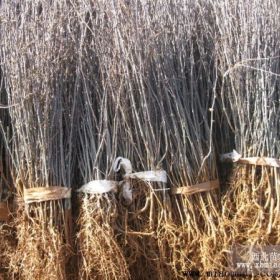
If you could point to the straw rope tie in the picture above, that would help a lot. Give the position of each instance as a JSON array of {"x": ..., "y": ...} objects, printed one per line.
[
  {"x": 46, "y": 194},
  {"x": 259, "y": 161},
  {"x": 159, "y": 176},
  {"x": 198, "y": 188}
]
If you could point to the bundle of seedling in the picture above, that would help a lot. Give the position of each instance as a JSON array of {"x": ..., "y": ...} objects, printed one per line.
[
  {"x": 248, "y": 53},
  {"x": 162, "y": 64},
  {"x": 187, "y": 82},
  {"x": 38, "y": 65},
  {"x": 133, "y": 211},
  {"x": 99, "y": 254},
  {"x": 7, "y": 241},
  {"x": 119, "y": 99}
]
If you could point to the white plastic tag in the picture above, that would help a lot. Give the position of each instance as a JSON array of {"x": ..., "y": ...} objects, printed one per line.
[{"x": 98, "y": 187}]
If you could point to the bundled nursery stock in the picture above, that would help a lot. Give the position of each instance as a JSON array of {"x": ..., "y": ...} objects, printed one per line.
[{"x": 139, "y": 139}]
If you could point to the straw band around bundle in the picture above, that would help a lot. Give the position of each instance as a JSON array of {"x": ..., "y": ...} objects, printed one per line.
[
  {"x": 198, "y": 188},
  {"x": 45, "y": 194},
  {"x": 259, "y": 161},
  {"x": 99, "y": 187},
  {"x": 4, "y": 211}
]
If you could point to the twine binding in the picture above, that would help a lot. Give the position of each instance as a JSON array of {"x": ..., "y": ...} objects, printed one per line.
[
  {"x": 198, "y": 188},
  {"x": 258, "y": 161},
  {"x": 45, "y": 194}
]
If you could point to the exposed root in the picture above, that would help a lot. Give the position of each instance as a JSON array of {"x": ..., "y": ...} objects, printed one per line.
[
  {"x": 147, "y": 233},
  {"x": 101, "y": 256},
  {"x": 42, "y": 251}
]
